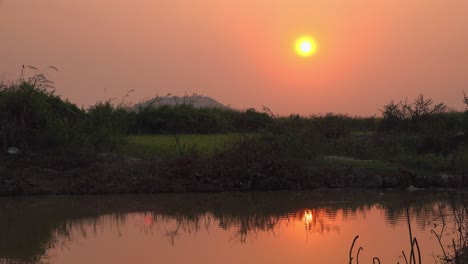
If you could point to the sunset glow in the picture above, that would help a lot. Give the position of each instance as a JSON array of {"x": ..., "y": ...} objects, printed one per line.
[
  {"x": 306, "y": 46},
  {"x": 323, "y": 56},
  {"x": 308, "y": 217}
]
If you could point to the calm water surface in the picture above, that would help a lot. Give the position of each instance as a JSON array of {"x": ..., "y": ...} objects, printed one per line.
[{"x": 275, "y": 227}]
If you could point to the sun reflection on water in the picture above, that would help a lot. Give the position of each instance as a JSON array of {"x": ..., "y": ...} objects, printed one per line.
[{"x": 308, "y": 217}]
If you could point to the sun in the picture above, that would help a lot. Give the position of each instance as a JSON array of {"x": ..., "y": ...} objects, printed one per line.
[{"x": 306, "y": 46}]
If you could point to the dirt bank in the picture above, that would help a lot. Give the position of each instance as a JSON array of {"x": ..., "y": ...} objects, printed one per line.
[{"x": 63, "y": 172}]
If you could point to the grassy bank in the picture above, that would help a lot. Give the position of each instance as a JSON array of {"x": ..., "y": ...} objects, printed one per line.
[{"x": 114, "y": 148}]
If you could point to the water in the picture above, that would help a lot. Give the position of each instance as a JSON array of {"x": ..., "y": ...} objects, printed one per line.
[{"x": 275, "y": 227}]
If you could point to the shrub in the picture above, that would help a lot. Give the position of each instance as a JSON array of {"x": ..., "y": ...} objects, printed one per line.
[
  {"x": 107, "y": 125},
  {"x": 465, "y": 115},
  {"x": 251, "y": 120},
  {"x": 32, "y": 115},
  {"x": 420, "y": 116},
  {"x": 185, "y": 118},
  {"x": 332, "y": 126}
]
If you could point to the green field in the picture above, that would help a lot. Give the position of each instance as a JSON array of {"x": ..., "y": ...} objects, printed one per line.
[{"x": 148, "y": 146}]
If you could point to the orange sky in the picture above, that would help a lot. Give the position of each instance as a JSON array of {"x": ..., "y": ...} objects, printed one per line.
[{"x": 241, "y": 52}]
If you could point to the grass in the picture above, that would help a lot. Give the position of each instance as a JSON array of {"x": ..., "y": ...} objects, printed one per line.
[
  {"x": 207, "y": 144},
  {"x": 166, "y": 146},
  {"x": 362, "y": 133},
  {"x": 428, "y": 162}
]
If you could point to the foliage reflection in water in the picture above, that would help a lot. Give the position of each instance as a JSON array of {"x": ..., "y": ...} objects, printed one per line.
[{"x": 276, "y": 227}]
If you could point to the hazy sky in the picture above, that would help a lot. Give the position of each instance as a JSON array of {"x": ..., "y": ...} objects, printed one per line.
[{"x": 241, "y": 52}]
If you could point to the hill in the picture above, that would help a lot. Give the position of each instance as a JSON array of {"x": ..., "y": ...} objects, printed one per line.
[{"x": 198, "y": 101}]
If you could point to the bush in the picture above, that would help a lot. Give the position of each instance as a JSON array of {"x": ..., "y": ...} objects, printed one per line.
[
  {"x": 416, "y": 117},
  {"x": 107, "y": 125},
  {"x": 465, "y": 115},
  {"x": 33, "y": 116},
  {"x": 185, "y": 118},
  {"x": 251, "y": 120},
  {"x": 333, "y": 126}
]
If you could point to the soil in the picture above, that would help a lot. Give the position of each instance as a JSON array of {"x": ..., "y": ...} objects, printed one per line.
[{"x": 64, "y": 172}]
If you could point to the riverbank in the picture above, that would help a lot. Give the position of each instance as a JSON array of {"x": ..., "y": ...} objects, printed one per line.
[
  {"x": 51, "y": 146},
  {"x": 63, "y": 172}
]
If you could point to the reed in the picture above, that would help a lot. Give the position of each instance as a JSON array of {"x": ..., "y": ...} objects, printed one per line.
[{"x": 414, "y": 255}]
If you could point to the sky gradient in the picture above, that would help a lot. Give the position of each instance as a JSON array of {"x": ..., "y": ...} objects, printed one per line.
[{"x": 241, "y": 52}]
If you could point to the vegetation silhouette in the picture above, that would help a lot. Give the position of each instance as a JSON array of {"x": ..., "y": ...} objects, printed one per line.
[{"x": 66, "y": 149}]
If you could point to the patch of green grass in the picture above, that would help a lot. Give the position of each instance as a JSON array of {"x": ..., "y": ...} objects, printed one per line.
[
  {"x": 362, "y": 133},
  {"x": 147, "y": 146}
]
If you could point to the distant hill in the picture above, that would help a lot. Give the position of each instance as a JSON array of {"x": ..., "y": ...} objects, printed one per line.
[{"x": 198, "y": 101}]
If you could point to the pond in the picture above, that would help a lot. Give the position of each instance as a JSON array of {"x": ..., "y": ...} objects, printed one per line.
[{"x": 270, "y": 227}]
